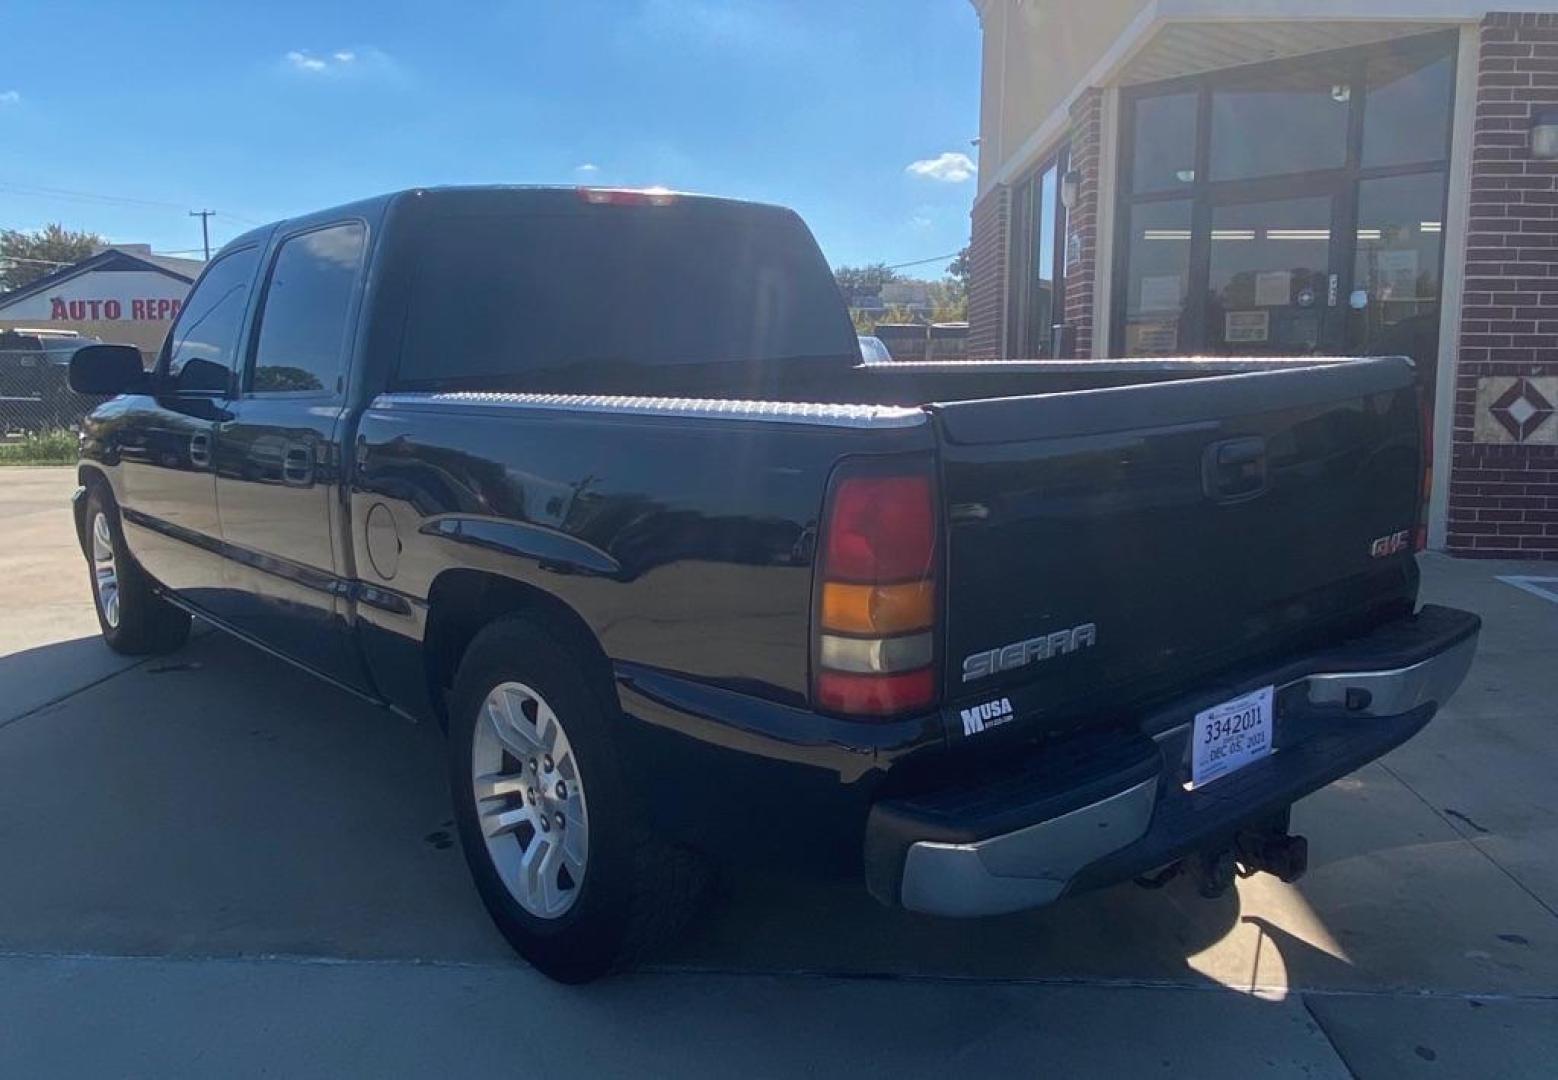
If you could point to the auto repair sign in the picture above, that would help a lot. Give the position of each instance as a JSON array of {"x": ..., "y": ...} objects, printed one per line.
[{"x": 118, "y": 296}]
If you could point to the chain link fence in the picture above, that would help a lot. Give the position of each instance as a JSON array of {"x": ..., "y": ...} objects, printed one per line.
[
  {"x": 39, "y": 412},
  {"x": 35, "y": 393}
]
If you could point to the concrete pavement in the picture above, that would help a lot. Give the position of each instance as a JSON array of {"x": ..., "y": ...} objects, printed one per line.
[{"x": 230, "y": 867}]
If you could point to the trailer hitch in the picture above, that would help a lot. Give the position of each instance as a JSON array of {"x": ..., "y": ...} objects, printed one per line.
[
  {"x": 1280, "y": 854},
  {"x": 1270, "y": 850}
]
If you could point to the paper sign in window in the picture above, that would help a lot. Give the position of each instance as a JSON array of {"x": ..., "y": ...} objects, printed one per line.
[
  {"x": 1397, "y": 272},
  {"x": 1153, "y": 336},
  {"x": 1247, "y": 326},
  {"x": 1274, "y": 288},
  {"x": 1160, "y": 292}
]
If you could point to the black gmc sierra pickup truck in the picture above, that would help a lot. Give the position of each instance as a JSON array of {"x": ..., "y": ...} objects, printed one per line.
[{"x": 597, "y": 480}]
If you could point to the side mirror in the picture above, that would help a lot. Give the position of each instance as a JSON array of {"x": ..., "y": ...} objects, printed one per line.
[
  {"x": 202, "y": 376},
  {"x": 108, "y": 370}
]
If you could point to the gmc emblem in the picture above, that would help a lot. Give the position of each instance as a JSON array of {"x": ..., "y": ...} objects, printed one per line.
[{"x": 1393, "y": 544}]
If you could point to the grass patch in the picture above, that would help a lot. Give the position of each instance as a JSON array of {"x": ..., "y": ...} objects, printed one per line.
[{"x": 40, "y": 448}]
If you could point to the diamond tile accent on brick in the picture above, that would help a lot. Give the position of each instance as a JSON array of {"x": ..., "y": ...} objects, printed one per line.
[
  {"x": 1522, "y": 410},
  {"x": 1517, "y": 410}
]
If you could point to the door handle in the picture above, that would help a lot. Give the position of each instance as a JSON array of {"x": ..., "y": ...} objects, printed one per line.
[
  {"x": 200, "y": 450},
  {"x": 1235, "y": 469},
  {"x": 297, "y": 466}
]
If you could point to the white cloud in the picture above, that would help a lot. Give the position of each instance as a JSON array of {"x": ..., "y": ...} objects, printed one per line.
[
  {"x": 302, "y": 61},
  {"x": 587, "y": 168},
  {"x": 338, "y": 62},
  {"x": 10, "y": 97},
  {"x": 949, "y": 168}
]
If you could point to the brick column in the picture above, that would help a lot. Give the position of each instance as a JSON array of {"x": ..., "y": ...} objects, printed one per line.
[
  {"x": 1082, "y": 222},
  {"x": 1504, "y": 466},
  {"x": 987, "y": 274}
]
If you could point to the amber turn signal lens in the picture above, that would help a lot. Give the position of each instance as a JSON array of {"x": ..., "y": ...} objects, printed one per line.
[{"x": 878, "y": 609}]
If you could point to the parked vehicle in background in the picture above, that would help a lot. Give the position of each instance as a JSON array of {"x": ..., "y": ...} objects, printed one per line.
[
  {"x": 598, "y": 481},
  {"x": 35, "y": 394},
  {"x": 872, "y": 351}
]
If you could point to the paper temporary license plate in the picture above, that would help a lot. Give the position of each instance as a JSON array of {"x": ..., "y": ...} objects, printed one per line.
[{"x": 1229, "y": 736}]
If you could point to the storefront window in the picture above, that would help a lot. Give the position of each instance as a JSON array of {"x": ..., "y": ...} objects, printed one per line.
[
  {"x": 1393, "y": 308},
  {"x": 1404, "y": 112},
  {"x": 1038, "y": 267},
  {"x": 1305, "y": 220},
  {"x": 1159, "y": 263},
  {"x": 1281, "y": 124},
  {"x": 1163, "y": 156}
]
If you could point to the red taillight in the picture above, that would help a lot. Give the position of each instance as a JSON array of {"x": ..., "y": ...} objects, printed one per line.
[
  {"x": 627, "y": 196},
  {"x": 882, "y": 529},
  {"x": 882, "y": 695},
  {"x": 874, "y": 618}
]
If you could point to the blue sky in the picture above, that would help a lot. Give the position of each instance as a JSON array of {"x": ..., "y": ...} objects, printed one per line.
[{"x": 262, "y": 110}]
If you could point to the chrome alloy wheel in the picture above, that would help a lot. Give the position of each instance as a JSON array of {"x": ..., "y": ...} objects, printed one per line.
[
  {"x": 530, "y": 800},
  {"x": 105, "y": 570}
]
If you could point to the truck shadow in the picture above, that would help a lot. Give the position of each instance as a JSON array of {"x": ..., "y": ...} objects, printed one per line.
[
  {"x": 32, "y": 678},
  {"x": 1121, "y": 935},
  {"x": 218, "y": 802}
]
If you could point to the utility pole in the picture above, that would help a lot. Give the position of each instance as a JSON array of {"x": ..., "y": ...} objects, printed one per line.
[{"x": 205, "y": 228}]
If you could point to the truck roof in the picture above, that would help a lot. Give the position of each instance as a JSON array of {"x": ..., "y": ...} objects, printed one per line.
[{"x": 553, "y": 197}]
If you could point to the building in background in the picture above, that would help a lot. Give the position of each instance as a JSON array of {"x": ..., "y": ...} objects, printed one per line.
[
  {"x": 1214, "y": 177},
  {"x": 121, "y": 294}
]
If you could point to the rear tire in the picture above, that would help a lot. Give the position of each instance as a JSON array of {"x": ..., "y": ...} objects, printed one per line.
[
  {"x": 134, "y": 620},
  {"x": 573, "y": 878}
]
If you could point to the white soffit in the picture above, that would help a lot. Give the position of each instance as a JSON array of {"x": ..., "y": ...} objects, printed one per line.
[{"x": 1189, "y": 48}]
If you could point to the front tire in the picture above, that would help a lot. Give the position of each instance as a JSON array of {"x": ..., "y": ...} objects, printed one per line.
[
  {"x": 558, "y": 852},
  {"x": 135, "y": 621}
]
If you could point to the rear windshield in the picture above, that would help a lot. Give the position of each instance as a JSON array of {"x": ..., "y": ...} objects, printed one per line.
[{"x": 502, "y": 297}]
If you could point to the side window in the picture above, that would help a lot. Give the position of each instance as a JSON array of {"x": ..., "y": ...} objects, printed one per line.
[
  {"x": 303, "y": 324},
  {"x": 203, "y": 346}
]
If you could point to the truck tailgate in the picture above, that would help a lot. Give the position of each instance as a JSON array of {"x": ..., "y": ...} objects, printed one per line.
[{"x": 1108, "y": 548}]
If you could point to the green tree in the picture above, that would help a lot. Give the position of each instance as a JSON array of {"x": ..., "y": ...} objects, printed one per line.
[
  {"x": 27, "y": 256},
  {"x": 949, "y": 300},
  {"x": 959, "y": 269},
  {"x": 852, "y": 277}
]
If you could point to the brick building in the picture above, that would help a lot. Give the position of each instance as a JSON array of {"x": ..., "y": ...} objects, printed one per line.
[{"x": 1338, "y": 177}]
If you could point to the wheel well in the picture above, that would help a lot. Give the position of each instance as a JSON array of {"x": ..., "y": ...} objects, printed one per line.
[
  {"x": 88, "y": 477},
  {"x": 462, "y": 602}
]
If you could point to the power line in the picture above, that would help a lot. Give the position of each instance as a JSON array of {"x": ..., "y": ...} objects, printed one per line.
[
  {"x": 66, "y": 193},
  {"x": 40, "y": 191},
  {"x": 922, "y": 262}
]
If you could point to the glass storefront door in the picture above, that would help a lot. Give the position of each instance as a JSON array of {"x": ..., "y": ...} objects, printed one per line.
[{"x": 1269, "y": 285}]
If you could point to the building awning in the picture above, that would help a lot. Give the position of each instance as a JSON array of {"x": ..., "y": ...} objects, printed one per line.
[{"x": 1192, "y": 48}]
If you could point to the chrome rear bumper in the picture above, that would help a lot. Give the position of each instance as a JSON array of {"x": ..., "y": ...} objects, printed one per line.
[{"x": 1036, "y": 864}]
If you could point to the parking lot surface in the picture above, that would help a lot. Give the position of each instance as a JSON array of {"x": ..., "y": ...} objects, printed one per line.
[{"x": 216, "y": 864}]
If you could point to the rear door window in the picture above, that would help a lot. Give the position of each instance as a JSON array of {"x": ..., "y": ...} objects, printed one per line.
[{"x": 500, "y": 297}]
